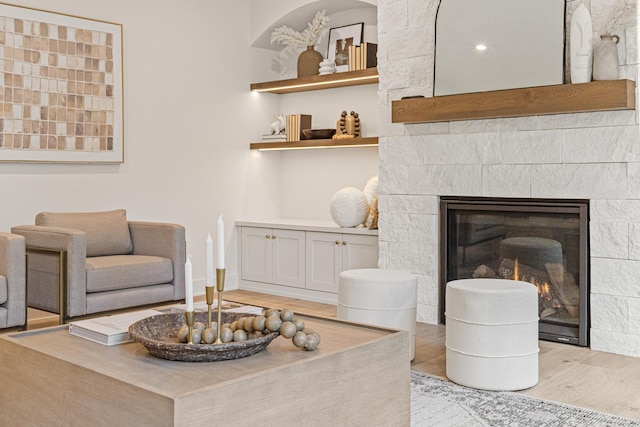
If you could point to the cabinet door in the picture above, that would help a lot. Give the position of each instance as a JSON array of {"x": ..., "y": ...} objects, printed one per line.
[
  {"x": 324, "y": 261},
  {"x": 256, "y": 256},
  {"x": 288, "y": 257},
  {"x": 359, "y": 251}
]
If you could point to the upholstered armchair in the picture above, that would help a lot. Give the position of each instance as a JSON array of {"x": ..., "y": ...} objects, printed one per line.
[
  {"x": 13, "y": 298},
  {"x": 104, "y": 262}
]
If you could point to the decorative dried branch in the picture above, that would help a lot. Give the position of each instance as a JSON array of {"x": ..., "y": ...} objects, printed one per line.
[
  {"x": 308, "y": 37},
  {"x": 620, "y": 17}
]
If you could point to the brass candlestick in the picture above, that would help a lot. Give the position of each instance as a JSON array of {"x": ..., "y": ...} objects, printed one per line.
[
  {"x": 190, "y": 316},
  {"x": 220, "y": 273},
  {"x": 209, "y": 290}
]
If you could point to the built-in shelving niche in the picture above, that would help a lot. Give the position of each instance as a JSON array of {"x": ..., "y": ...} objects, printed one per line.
[{"x": 319, "y": 82}]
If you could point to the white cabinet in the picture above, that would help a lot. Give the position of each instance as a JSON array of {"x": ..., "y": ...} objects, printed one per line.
[
  {"x": 273, "y": 256},
  {"x": 302, "y": 258},
  {"x": 328, "y": 254}
]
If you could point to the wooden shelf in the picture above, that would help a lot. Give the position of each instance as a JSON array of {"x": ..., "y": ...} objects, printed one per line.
[
  {"x": 557, "y": 99},
  {"x": 326, "y": 81},
  {"x": 316, "y": 144}
]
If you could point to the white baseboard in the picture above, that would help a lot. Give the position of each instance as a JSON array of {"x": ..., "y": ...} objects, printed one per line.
[
  {"x": 230, "y": 284},
  {"x": 290, "y": 292}
]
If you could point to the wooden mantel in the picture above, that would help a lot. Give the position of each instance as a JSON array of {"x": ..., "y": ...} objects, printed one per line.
[{"x": 531, "y": 101}]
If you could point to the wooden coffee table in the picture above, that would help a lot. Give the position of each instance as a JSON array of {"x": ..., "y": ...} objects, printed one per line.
[{"x": 358, "y": 376}]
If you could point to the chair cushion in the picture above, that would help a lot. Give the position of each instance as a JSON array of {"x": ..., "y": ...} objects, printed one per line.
[
  {"x": 107, "y": 232},
  {"x": 108, "y": 273},
  {"x": 3, "y": 289}
]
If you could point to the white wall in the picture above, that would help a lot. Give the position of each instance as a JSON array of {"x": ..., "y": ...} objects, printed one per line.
[
  {"x": 186, "y": 81},
  {"x": 189, "y": 119}
]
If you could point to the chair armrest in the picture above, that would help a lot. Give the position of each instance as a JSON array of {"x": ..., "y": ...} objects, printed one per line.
[
  {"x": 12, "y": 267},
  {"x": 163, "y": 240},
  {"x": 53, "y": 238},
  {"x": 74, "y": 243}
]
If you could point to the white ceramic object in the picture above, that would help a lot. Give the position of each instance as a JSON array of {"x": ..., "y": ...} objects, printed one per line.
[
  {"x": 606, "y": 65},
  {"x": 349, "y": 207},
  {"x": 277, "y": 127},
  {"x": 327, "y": 67},
  {"x": 371, "y": 189},
  {"x": 581, "y": 45}
]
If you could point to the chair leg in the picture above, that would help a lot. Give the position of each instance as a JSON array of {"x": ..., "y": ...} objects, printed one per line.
[{"x": 62, "y": 279}]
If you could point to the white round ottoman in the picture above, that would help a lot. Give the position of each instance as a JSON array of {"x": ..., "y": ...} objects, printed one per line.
[
  {"x": 379, "y": 297},
  {"x": 492, "y": 333}
]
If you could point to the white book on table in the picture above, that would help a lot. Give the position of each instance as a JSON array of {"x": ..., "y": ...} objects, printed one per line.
[{"x": 109, "y": 330}]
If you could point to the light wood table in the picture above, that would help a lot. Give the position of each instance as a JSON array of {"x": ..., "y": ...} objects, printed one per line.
[{"x": 358, "y": 376}]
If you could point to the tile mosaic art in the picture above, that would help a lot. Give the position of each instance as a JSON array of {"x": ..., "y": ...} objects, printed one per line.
[{"x": 61, "y": 85}]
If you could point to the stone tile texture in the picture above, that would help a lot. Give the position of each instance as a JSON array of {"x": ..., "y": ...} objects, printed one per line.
[{"x": 594, "y": 156}]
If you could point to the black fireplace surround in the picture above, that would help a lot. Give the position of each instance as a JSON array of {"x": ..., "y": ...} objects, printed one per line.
[{"x": 540, "y": 241}]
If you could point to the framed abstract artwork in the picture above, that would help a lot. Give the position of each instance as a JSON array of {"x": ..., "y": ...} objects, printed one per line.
[
  {"x": 340, "y": 38},
  {"x": 61, "y": 96}
]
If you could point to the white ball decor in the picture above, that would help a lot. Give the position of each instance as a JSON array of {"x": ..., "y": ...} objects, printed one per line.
[
  {"x": 371, "y": 189},
  {"x": 349, "y": 207}
]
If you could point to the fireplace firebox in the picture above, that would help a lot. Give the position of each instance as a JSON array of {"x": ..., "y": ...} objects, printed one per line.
[{"x": 540, "y": 241}]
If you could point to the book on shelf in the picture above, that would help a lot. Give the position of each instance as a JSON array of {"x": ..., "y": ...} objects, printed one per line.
[
  {"x": 296, "y": 123},
  {"x": 109, "y": 330},
  {"x": 369, "y": 55},
  {"x": 363, "y": 56},
  {"x": 227, "y": 307},
  {"x": 274, "y": 137},
  {"x": 351, "y": 56}
]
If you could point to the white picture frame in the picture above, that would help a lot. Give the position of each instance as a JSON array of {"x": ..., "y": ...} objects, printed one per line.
[{"x": 340, "y": 38}]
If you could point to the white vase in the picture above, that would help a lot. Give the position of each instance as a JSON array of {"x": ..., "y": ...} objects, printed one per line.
[
  {"x": 581, "y": 45},
  {"x": 605, "y": 58}
]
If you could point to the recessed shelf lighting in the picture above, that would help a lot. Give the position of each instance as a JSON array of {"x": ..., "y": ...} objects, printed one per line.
[
  {"x": 316, "y": 147},
  {"x": 481, "y": 47}
]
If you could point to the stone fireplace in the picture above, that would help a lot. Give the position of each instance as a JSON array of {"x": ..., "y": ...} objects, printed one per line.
[
  {"x": 542, "y": 242},
  {"x": 593, "y": 157}
]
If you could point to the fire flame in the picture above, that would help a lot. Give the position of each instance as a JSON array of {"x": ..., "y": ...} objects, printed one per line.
[{"x": 544, "y": 290}]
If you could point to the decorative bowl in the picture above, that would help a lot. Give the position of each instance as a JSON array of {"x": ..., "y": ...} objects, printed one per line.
[
  {"x": 159, "y": 334},
  {"x": 318, "y": 133}
]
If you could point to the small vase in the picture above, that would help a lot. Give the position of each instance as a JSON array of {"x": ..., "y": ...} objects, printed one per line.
[
  {"x": 309, "y": 62},
  {"x": 605, "y": 58}
]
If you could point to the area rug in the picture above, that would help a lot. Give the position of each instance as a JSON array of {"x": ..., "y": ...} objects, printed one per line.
[{"x": 436, "y": 402}]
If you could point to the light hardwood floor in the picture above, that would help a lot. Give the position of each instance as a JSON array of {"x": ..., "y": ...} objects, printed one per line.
[{"x": 568, "y": 374}]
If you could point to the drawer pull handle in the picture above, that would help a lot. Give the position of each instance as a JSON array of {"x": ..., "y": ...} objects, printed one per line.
[
  {"x": 337, "y": 242},
  {"x": 344, "y": 243},
  {"x": 267, "y": 236}
]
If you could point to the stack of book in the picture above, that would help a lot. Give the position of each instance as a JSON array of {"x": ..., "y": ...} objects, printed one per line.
[
  {"x": 295, "y": 123},
  {"x": 109, "y": 330},
  {"x": 275, "y": 137},
  {"x": 363, "y": 56}
]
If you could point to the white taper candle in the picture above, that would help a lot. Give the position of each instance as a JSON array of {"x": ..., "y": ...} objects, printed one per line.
[
  {"x": 220, "y": 242},
  {"x": 188, "y": 283}
]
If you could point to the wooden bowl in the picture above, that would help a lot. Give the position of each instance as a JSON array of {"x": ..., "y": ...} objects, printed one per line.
[{"x": 318, "y": 133}]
